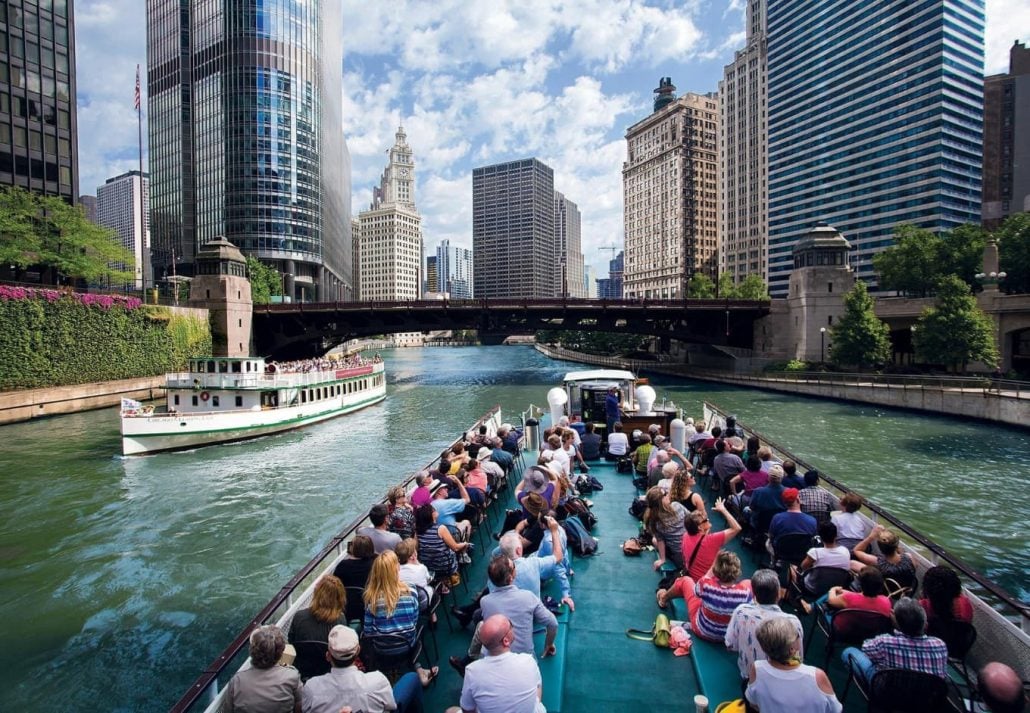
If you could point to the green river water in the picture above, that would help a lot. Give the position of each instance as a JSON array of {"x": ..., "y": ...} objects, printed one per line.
[{"x": 123, "y": 578}]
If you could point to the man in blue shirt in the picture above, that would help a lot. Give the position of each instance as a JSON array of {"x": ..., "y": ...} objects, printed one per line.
[
  {"x": 611, "y": 408},
  {"x": 448, "y": 509}
]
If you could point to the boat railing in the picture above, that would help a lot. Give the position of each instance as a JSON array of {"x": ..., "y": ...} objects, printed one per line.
[
  {"x": 1002, "y": 621},
  {"x": 187, "y": 380},
  {"x": 291, "y": 597}
]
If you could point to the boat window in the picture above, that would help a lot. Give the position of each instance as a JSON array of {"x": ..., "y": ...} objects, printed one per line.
[
  {"x": 239, "y": 402},
  {"x": 311, "y": 394},
  {"x": 303, "y": 397},
  {"x": 318, "y": 394},
  {"x": 195, "y": 401},
  {"x": 237, "y": 367},
  {"x": 175, "y": 399},
  {"x": 223, "y": 367},
  {"x": 214, "y": 401},
  {"x": 211, "y": 367}
]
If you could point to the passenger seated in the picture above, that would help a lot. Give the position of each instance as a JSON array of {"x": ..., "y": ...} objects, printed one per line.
[
  {"x": 740, "y": 636},
  {"x": 590, "y": 444},
  {"x": 815, "y": 500},
  {"x": 870, "y": 597},
  {"x": 681, "y": 488},
  {"x": 748, "y": 481},
  {"x": 767, "y": 501},
  {"x": 892, "y": 563},
  {"x": 415, "y": 574},
  {"x": 942, "y": 596},
  {"x": 791, "y": 477},
  {"x": 726, "y": 464},
  {"x": 664, "y": 520},
  {"x": 701, "y": 545},
  {"x": 828, "y": 554},
  {"x": 852, "y": 528},
  {"x": 908, "y": 647},
  {"x": 402, "y": 515},
  {"x": 618, "y": 443},
  {"x": 354, "y": 570},
  {"x": 790, "y": 522},
  {"x": 783, "y": 682},
  {"x": 437, "y": 548},
  {"x": 328, "y": 602},
  {"x": 265, "y": 685},
  {"x": 712, "y": 599},
  {"x": 1001, "y": 689}
]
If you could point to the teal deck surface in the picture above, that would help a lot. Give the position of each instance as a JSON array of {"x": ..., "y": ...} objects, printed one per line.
[{"x": 598, "y": 668}]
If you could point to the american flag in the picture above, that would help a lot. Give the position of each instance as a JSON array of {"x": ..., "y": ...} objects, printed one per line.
[{"x": 137, "y": 87}]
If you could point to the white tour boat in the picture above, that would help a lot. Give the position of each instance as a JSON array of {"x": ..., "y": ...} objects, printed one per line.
[{"x": 222, "y": 399}]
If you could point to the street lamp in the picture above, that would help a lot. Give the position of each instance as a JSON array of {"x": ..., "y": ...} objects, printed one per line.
[{"x": 822, "y": 345}]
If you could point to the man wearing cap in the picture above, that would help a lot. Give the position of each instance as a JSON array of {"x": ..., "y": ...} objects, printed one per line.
[
  {"x": 503, "y": 681},
  {"x": 381, "y": 538},
  {"x": 448, "y": 509},
  {"x": 791, "y": 522},
  {"x": 346, "y": 686}
]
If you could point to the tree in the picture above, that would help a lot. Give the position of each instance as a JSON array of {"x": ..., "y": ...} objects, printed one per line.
[
  {"x": 752, "y": 288},
  {"x": 701, "y": 286},
  {"x": 859, "y": 337},
  {"x": 46, "y": 231},
  {"x": 264, "y": 281},
  {"x": 910, "y": 265},
  {"x": 727, "y": 290},
  {"x": 955, "y": 331},
  {"x": 1014, "y": 252},
  {"x": 962, "y": 252}
]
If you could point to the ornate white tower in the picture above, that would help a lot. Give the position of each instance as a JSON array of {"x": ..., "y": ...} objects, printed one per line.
[{"x": 397, "y": 185}]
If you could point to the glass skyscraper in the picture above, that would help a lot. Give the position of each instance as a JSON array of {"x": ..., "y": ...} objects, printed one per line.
[
  {"x": 38, "y": 146},
  {"x": 246, "y": 139},
  {"x": 875, "y": 120}
]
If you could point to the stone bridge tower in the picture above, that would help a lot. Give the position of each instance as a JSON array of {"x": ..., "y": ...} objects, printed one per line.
[
  {"x": 221, "y": 286},
  {"x": 818, "y": 283}
]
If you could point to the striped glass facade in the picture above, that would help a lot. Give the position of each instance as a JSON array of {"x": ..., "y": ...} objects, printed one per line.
[
  {"x": 875, "y": 120},
  {"x": 38, "y": 145},
  {"x": 246, "y": 139}
]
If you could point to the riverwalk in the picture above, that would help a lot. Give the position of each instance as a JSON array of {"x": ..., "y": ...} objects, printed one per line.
[{"x": 997, "y": 400}]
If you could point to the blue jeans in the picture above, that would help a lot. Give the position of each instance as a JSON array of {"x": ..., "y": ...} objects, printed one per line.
[
  {"x": 859, "y": 664},
  {"x": 408, "y": 693}
]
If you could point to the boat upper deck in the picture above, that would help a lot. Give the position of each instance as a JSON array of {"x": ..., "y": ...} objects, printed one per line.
[{"x": 227, "y": 378}]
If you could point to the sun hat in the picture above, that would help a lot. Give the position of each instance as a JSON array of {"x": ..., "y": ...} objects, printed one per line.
[{"x": 343, "y": 643}]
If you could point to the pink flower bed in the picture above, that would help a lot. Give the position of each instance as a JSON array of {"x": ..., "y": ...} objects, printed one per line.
[{"x": 8, "y": 292}]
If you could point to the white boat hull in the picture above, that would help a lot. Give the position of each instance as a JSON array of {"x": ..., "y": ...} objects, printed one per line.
[{"x": 169, "y": 432}]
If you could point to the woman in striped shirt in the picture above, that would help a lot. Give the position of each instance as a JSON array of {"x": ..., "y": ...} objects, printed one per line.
[{"x": 712, "y": 599}]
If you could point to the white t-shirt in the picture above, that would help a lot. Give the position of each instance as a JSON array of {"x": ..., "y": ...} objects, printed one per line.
[
  {"x": 618, "y": 444},
  {"x": 506, "y": 683},
  {"x": 850, "y": 526},
  {"x": 837, "y": 556},
  {"x": 563, "y": 458}
]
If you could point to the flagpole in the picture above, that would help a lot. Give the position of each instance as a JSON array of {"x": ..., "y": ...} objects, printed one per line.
[{"x": 144, "y": 251}]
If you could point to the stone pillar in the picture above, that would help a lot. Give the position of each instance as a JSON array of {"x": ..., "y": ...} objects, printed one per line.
[{"x": 289, "y": 272}]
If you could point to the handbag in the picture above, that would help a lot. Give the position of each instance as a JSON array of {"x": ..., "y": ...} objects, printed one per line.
[
  {"x": 658, "y": 635},
  {"x": 632, "y": 547}
]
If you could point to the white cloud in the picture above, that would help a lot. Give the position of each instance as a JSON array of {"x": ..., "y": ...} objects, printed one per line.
[{"x": 1007, "y": 21}]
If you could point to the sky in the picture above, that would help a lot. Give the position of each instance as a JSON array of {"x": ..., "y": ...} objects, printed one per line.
[{"x": 475, "y": 83}]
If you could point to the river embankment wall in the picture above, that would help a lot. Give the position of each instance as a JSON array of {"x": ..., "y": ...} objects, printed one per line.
[
  {"x": 29, "y": 404},
  {"x": 987, "y": 403}
]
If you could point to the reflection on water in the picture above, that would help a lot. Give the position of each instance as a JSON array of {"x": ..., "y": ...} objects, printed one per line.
[{"x": 124, "y": 577}]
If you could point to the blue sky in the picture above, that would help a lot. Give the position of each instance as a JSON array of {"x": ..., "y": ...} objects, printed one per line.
[{"x": 476, "y": 83}]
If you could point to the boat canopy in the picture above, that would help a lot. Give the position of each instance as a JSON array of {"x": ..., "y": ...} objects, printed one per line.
[{"x": 599, "y": 375}]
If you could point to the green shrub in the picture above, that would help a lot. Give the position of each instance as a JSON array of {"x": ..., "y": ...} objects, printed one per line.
[
  {"x": 59, "y": 342},
  {"x": 796, "y": 365}
]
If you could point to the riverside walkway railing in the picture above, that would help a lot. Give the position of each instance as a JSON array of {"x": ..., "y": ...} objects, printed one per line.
[
  {"x": 987, "y": 386},
  {"x": 292, "y": 596}
]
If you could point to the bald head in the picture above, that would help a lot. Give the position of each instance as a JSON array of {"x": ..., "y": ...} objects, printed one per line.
[
  {"x": 662, "y": 457},
  {"x": 1001, "y": 688},
  {"x": 496, "y": 634}
]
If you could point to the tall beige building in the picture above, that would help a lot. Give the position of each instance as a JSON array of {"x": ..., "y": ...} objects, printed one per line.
[
  {"x": 670, "y": 184},
  {"x": 390, "y": 262},
  {"x": 568, "y": 246},
  {"x": 743, "y": 151}
]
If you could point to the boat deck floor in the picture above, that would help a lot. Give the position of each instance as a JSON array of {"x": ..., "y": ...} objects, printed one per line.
[{"x": 603, "y": 668}]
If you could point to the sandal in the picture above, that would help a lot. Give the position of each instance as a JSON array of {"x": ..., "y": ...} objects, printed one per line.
[
  {"x": 427, "y": 676},
  {"x": 660, "y": 596}
]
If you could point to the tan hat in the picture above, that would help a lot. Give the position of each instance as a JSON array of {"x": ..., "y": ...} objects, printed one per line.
[
  {"x": 484, "y": 453},
  {"x": 343, "y": 643}
]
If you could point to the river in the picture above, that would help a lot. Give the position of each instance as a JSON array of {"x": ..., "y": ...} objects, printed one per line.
[{"x": 124, "y": 577}]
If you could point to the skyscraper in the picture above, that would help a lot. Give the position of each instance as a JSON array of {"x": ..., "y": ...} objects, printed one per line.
[
  {"x": 119, "y": 207},
  {"x": 670, "y": 192},
  {"x": 390, "y": 245},
  {"x": 568, "y": 248},
  {"x": 743, "y": 173},
  {"x": 246, "y": 140},
  {"x": 875, "y": 120},
  {"x": 38, "y": 143},
  {"x": 610, "y": 288},
  {"x": 513, "y": 230},
  {"x": 1006, "y": 167},
  {"x": 454, "y": 269}
]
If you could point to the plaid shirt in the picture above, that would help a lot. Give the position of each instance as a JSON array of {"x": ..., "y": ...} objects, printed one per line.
[
  {"x": 818, "y": 503},
  {"x": 927, "y": 654},
  {"x": 403, "y": 620}
]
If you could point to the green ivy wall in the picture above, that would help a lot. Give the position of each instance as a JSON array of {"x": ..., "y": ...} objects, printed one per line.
[{"x": 63, "y": 342}]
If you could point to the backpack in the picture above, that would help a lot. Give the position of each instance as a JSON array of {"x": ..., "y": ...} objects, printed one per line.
[
  {"x": 580, "y": 541},
  {"x": 576, "y": 506},
  {"x": 638, "y": 507},
  {"x": 624, "y": 465}
]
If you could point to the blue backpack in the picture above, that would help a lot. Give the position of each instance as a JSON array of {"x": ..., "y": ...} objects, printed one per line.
[{"x": 580, "y": 541}]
